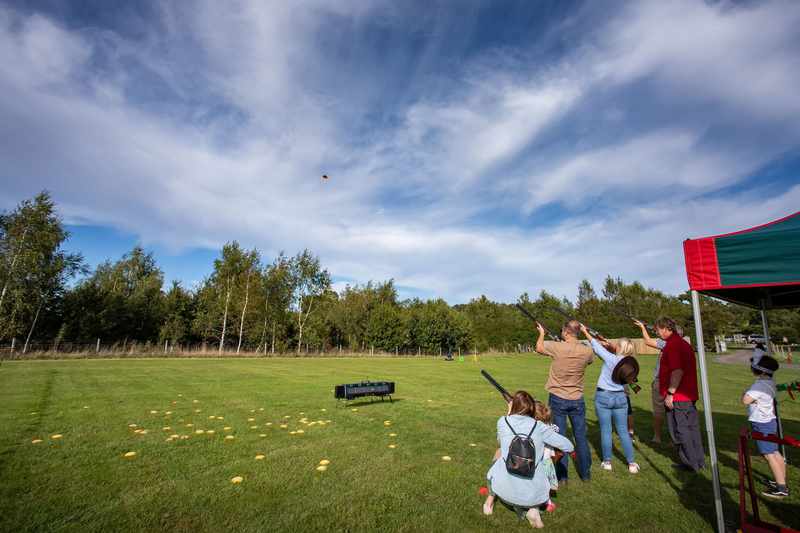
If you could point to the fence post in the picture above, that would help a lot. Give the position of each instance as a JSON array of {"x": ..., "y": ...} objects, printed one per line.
[
  {"x": 166, "y": 345},
  {"x": 395, "y": 351},
  {"x": 97, "y": 348},
  {"x": 372, "y": 350},
  {"x": 13, "y": 343}
]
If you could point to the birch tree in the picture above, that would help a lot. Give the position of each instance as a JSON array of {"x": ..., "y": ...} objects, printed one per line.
[
  {"x": 309, "y": 282},
  {"x": 251, "y": 267},
  {"x": 276, "y": 284},
  {"x": 33, "y": 267}
]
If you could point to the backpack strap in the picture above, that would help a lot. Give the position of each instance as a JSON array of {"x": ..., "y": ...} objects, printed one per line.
[
  {"x": 535, "y": 422},
  {"x": 509, "y": 426}
]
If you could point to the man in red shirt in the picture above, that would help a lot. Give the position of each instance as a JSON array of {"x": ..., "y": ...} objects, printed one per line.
[{"x": 677, "y": 378}]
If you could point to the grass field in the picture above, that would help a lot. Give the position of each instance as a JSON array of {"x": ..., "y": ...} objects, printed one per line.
[{"x": 82, "y": 482}]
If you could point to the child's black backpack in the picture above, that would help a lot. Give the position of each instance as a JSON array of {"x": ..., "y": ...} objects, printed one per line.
[{"x": 521, "y": 460}]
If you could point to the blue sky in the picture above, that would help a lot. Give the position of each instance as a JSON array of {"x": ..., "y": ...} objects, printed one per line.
[{"x": 474, "y": 147}]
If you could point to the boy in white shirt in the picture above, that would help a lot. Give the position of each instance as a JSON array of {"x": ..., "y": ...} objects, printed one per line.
[{"x": 760, "y": 402}]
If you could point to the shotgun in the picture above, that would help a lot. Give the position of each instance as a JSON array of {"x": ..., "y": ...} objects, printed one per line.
[
  {"x": 497, "y": 386},
  {"x": 619, "y": 311},
  {"x": 529, "y": 315},
  {"x": 566, "y": 315}
]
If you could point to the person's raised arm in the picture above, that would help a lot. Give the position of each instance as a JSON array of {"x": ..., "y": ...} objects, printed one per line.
[
  {"x": 598, "y": 347},
  {"x": 648, "y": 340},
  {"x": 540, "y": 340}
]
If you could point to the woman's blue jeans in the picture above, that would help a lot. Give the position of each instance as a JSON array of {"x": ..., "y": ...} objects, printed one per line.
[{"x": 612, "y": 407}]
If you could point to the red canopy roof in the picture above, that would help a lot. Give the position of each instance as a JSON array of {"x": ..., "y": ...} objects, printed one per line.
[{"x": 758, "y": 267}]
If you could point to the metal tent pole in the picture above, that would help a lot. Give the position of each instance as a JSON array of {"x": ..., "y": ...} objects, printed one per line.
[
  {"x": 712, "y": 445},
  {"x": 765, "y": 324}
]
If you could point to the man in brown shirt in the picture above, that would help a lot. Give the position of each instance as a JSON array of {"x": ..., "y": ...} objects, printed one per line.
[{"x": 565, "y": 385}]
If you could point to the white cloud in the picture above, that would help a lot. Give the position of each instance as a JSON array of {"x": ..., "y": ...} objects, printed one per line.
[{"x": 237, "y": 149}]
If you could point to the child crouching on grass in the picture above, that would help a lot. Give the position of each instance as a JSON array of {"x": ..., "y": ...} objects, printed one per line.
[
  {"x": 760, "y": 402},
  {"x": 522, "y": 495},
  {"x": 550, "y": 455}
]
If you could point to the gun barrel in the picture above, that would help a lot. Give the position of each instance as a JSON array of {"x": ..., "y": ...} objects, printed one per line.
[
  {"x": 631, "y": 317},
  {"x": 529, "y": 315},
  {"x": 566, "y": 315},
  {"x": 496, "y": 385}
]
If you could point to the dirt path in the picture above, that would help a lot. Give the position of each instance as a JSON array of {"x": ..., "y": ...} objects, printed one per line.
[
  {"x": 739, "y": 357},
  {"x": 742, "y": 357}
]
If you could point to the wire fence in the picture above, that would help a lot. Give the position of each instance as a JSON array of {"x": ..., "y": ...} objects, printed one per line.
[{"x": 15, "y": 350}]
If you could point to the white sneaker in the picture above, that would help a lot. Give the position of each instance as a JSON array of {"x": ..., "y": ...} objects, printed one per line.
[
  {"x": 633, "y": 468},
  {"x": 606, "y": 465}
]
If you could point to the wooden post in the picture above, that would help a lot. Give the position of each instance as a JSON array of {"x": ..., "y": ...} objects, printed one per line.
[
  {"x": 166, "y": 345},
  {"x": 13, "y": 343},
  {"x": 395, "y": 351},
  {"x": 372, "y": 350},
  {"x": 97, "y": 347}
]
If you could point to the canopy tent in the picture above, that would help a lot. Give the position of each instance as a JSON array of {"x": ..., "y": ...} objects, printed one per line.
[{"x": 757, "y": 267}]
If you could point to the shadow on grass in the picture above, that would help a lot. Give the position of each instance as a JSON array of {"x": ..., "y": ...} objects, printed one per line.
[
  {"x": 365, "y": 402},
  {"x": 696, "y": 490}
]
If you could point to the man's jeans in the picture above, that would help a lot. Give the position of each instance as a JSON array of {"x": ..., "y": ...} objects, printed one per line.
[{"x": 576, "y": 411}]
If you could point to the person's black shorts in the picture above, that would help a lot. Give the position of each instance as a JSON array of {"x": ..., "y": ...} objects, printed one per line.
[{"x": 630, "y": 409}]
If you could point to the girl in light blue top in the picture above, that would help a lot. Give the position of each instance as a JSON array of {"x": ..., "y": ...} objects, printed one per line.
[
  {"x": 523, "y": 495},
  {"x": 610, "y": 402}
]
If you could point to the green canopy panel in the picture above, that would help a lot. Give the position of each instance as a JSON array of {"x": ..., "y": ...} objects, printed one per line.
[{"x": 757, "y": 267}]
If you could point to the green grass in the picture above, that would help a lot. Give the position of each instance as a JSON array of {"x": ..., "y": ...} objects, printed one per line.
[{"x": 82, "y": 482}]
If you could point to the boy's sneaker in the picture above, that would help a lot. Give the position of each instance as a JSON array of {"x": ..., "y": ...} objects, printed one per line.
[
  {"x": 633, "y": 468},
  {"x": 776, "y": 492},
  {"x": 771, "y": 484},
  {"x": 606, "y": 465}
]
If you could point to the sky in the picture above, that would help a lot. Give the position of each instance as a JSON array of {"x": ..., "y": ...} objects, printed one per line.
[{"x": 473, "y": 147}]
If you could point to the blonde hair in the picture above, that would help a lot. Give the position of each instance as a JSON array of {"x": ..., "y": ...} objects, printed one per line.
[{"x": 625, "y": 347}]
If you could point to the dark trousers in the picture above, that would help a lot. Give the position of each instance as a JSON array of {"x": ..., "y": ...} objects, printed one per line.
[
  {"x": 683, "y": 422},
  {"x": 575, "y": 410}
]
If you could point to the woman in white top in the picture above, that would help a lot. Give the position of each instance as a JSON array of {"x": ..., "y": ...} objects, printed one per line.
[{"x": 521, "y": 494}]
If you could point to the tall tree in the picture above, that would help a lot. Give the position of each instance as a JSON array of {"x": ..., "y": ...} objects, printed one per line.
[
  {"x": 178, "y": 313},
  {"x": 309, "y": 282},
  {"x": 277, "y": 287},
  {"x": 34, "y": 270}
]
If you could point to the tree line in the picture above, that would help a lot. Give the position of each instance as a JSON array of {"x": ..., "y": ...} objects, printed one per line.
[{"x": 275, "y": 305}]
